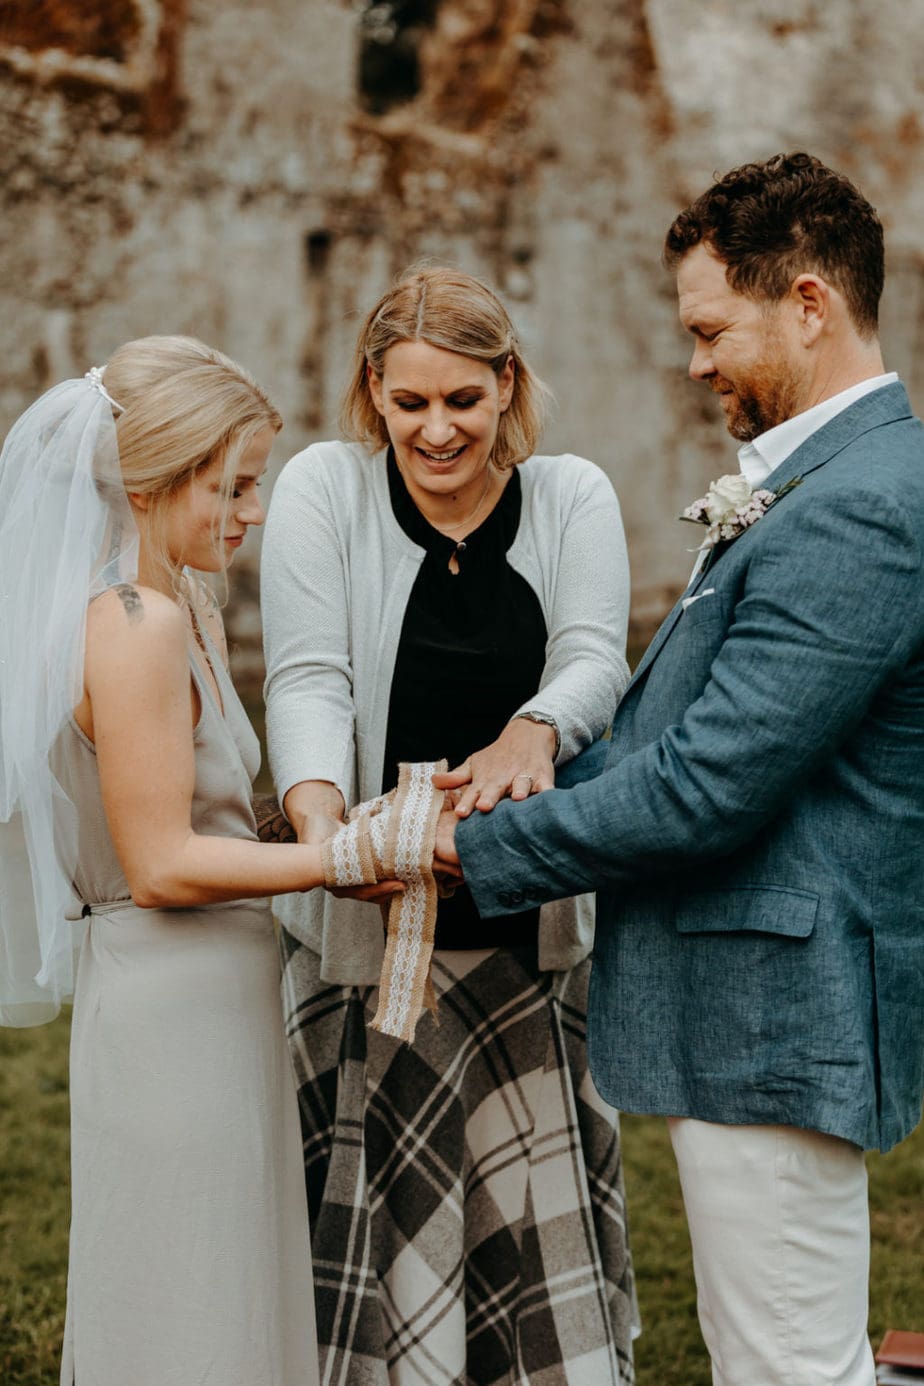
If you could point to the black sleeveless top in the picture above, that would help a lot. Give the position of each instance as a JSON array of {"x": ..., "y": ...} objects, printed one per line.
[{"x": 471, "y": 652}]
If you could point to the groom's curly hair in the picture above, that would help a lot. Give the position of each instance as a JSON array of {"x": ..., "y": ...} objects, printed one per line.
[{"x": 770, "y": 222}]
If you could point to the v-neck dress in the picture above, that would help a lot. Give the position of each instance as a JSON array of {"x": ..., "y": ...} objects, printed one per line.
[{"x": 190, "y": 1262}]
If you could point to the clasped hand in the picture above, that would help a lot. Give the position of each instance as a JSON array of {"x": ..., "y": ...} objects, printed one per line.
[{"x": 516, "y": 765}]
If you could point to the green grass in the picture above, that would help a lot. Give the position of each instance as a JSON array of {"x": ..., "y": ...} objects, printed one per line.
[
  {"x": 34, "y": 1203},
  {"x": 34, "y": 1214}
]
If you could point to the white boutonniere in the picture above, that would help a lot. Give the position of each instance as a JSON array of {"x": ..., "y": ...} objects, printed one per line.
[{"x": 730, "y": 507}]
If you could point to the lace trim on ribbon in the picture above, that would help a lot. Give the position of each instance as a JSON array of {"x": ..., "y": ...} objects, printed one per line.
[{"x": 392, "y": 838}]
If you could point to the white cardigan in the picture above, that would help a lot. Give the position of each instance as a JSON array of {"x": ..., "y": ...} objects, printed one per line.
[{"x": 336, "y": 576}]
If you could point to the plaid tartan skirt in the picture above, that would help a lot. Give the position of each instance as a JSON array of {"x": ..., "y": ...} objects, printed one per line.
[{"x": 465, "y": 1192}]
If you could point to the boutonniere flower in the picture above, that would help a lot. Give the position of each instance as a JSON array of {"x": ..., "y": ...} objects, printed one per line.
[{"x": 730, "y": 507}]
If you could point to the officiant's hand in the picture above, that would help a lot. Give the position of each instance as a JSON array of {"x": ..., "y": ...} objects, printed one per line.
[
  {"x": 516, "y": 765},
  {"x": 316, "y": 828}
]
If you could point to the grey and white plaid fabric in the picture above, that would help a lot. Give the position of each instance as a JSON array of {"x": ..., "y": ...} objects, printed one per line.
[{"x": 465, "y": 1192}]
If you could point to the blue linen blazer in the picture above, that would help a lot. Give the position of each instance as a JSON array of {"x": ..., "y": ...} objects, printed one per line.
[{"x": 755, "y": 827}]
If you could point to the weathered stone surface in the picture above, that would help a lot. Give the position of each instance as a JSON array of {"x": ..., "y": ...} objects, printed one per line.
[{"x": 231, "y": 170}]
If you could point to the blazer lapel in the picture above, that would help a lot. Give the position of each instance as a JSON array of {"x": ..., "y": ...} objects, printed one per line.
[{"x": 884, "y": 406}]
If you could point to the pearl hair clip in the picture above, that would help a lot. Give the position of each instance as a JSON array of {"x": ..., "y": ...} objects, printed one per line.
[{"x": 94, "y": 378}]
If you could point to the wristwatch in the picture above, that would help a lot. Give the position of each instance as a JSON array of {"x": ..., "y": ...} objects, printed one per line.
[{"x": 545, "y": 720}]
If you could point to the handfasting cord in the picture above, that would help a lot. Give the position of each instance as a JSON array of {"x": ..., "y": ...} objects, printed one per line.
[{"x": 392, "y": 838}]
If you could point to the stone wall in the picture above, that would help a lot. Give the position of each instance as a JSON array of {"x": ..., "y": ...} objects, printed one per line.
[{"x": 257, "y": 174}]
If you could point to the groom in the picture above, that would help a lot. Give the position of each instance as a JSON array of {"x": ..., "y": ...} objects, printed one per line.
[{"x": 755, "y": 828}]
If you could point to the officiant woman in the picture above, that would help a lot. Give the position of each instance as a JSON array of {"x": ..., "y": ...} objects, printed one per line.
[{"x": 434, "y": 588}]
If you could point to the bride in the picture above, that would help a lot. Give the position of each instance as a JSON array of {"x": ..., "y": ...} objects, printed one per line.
[{"x": 125, "y": 785}]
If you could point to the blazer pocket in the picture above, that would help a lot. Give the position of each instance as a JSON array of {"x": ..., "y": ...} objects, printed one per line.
[
  {"x": 764, "y": 909},
  {"x": 749, "y": 978}
]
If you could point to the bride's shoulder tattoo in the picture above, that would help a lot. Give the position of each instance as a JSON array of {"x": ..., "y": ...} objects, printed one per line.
[{"x": 131, "y": 599}]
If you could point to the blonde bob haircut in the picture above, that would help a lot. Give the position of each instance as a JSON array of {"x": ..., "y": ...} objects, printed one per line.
[
  {"x": 457, "y": 312},
  {"x": 183, "y": 405}
]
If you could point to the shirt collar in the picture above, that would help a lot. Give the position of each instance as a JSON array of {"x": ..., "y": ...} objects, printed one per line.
[{"x": 759, "y": 458}]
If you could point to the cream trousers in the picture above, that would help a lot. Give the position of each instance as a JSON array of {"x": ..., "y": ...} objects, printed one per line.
[{"x": 779, "y": 1225}]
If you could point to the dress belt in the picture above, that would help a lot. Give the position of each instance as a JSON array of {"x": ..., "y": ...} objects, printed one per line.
[
  {"x": 111, "y": 906},
  {"x": 107, "y": 907}
]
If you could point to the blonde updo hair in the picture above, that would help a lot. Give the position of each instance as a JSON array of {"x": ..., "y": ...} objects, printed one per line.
[
  {"x": 457, "y": 312},
  {"x": 184, "y": 405}
]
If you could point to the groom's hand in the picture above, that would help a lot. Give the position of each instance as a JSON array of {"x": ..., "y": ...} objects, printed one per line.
[{"x": 445, "y": 857}]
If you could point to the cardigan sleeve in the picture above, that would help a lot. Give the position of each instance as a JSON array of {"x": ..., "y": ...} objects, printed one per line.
[
  {"x": 306, "y": 632},
  {"x": 587, "y": 604}
]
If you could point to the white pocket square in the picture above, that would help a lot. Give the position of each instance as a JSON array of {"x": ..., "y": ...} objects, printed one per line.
[{"x": 688, "y": 601}]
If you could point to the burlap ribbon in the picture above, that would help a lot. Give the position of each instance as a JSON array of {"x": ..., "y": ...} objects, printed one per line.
[{"x": 392, "y": 838}]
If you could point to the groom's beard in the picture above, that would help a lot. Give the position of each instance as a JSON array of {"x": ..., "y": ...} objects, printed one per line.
[{"x": 759, "y": 401}]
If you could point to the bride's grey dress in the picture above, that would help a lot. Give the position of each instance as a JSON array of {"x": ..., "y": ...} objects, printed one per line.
[{"x": 189, "y": 1251}]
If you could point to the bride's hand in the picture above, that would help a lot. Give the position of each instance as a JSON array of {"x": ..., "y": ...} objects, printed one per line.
[
  {"x": 516, "y": 765},
  {"x": 317, "y": 827}
]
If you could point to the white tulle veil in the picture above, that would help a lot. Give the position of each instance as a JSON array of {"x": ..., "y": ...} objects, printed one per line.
[{"x": 66, "y": 533}]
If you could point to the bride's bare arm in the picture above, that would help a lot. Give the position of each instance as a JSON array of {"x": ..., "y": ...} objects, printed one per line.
[{"x": 138, "y": 693}]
